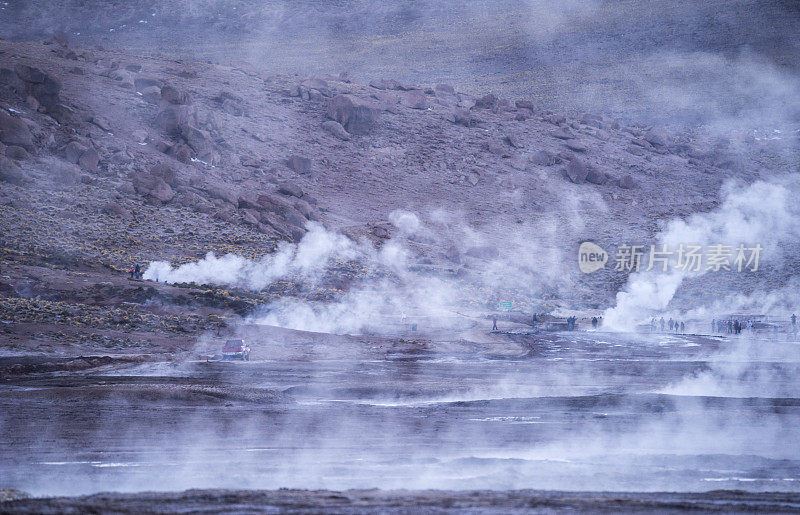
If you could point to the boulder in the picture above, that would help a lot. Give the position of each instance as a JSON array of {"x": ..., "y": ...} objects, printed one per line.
[
  {"x": 496, "y": 148},
  {"x": 305, "y": 209},
  {"x": 198, "y": 139},
  {"x": 142, "y": 83},
  {"x": 89, "y": 159},
  {"x": 290, "y": 188},
  {"x": 489, "y": 101},
  {"x": 595, "y": 176},
  {"x": 172, "y": 95},
  {"x": 576, "y": 145},
  {"x": 385, "y": 84},
  {"x": 124, "y": 78},
  {"x": 101, "y": 122},
  {"x": 299, "y": 164},
  {"x": 444, "y": 89},
  {"x": 415, "y": 99},
  {"x": 461, "y": 117},
  {"x": 356, "y": 115},
  {"x": 165, "y": 172},
  {"x": 577, "y": 171},
  {"x": 73, "y": 151},
  {"x": 626, "y": 182},
  {"x": 564, "y": 134},
  {"x": 181, "y": 152},
  {"x": 336, "y": 129},
  {"x": 11, "y": 79},
  {"x": 14, "y": 131},
  {"x": 525, "y": 104},
  {"x": 173, "y": 118},
  {"x": 17, "y": 153},
  {"x": 151, "y": 94},
  {"x": 162, "y": 191},
  {"x": 222, "y": 192},
  {"x": 126, "y": 188},
  {"x": 248, "y": 200},
  {"x": 656, "y": 138},
  {"x": 11, "y": 173},
  {"x": 153, "y": 187},
  {"x": 513, "y": 140},
  {"x": 543, "y": 158},
  {"x": 114, "y": 209}
]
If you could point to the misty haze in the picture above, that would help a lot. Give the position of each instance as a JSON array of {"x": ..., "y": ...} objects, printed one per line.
[{"x": 398, "y": 257}]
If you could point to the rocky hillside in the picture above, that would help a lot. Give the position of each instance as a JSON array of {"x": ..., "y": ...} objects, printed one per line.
[{"x": 111, "y": 158}]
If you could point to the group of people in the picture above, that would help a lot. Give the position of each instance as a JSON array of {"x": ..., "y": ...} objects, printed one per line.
[
  {"x": 571, "y": 323},
  {"x": 136, "y": 272},
  {"x": 673, "y": 325},
  {"x": 730, "y": 326}
]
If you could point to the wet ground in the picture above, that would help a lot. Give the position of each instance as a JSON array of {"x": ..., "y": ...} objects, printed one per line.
[{"x": 564, "y": 411}]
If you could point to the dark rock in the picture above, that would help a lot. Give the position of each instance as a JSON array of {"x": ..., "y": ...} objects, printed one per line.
[
  {"x": 173, "y": 118},
  {"x": 89, "y": 159},
  {"x": 299, "y": 164},
  {"x": 356, "y": 115},
  {"x": 543, "y": 158},
  {"x": 222, "y": 192},
  {"x": 114, "y": 209},
  {"x": 17, "y": 153},
  {"x": 576, "y": 145},
  {"x": 248, "y": 200},
  {"x": 164, "y": 172},
  {"x": 489, "y": 101},
  {"x": 198, "y": 139},
  {"x": 595, "y": 176},
  {"x": 577, "y": 171},
  {"x": 73, "y": 151},
  {"x": 494, "y": 147},
  {"x": 626, "y": 182},
  {"x": 11, "y": 173},
  {"x": 385, "y": 84},
  {"x": 11, "y": 79},
  {"x": 151, "y": 94},
  {"x": 444, "y": 89},
  {"x": 461, "y": 117},
  {"x": 291, "y": 189},
  {"x": 562, "y": 134},
  {"x": 513, "y": 140},
  {"x": 415, "y": 99},
  {"x": 656, "y": 138},
  {"x": 525, "y": 104},
  {"x": 14, "y": 131},
  {"x": 172, "y": 95},
  {"x": 101, "y": 123},
  {"x": 336, "y": 129},
  {"x": 142, "y": 83}
]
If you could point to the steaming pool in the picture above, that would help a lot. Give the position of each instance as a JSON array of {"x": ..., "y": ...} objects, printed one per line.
[{"x": 573, "y": 411}]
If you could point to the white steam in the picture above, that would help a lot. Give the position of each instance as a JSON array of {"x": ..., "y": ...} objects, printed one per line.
[{"x": 763, "y": 213}]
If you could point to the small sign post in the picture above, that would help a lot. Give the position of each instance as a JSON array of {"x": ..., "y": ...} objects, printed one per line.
[{"x": 506, "y": 305}]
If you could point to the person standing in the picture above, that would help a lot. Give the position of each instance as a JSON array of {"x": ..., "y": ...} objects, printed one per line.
[
  {"x": 661, "y": 322},
  {"x": 683, "y": 327},
  {"x": 494, "y": 323}
]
